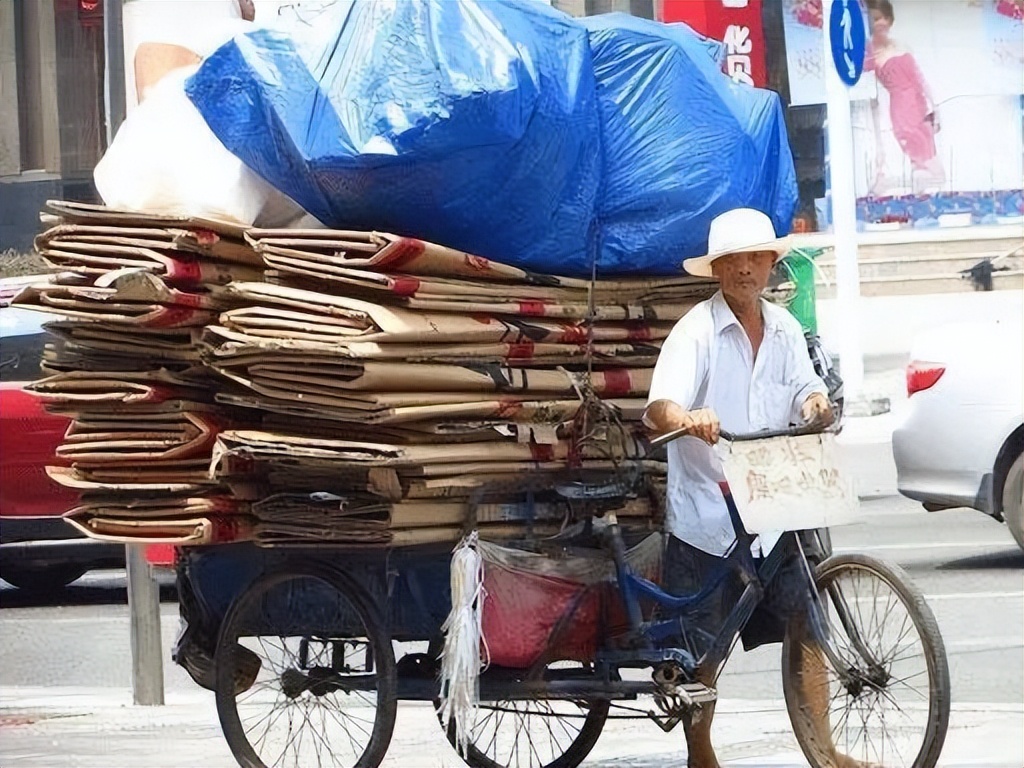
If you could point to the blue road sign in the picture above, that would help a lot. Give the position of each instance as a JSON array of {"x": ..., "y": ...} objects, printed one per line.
[{"x": 848, "y": 38}]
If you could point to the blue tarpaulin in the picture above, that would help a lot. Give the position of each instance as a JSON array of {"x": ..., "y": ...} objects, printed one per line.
[
  {"x": 472, "y": 124},
  {"x": 502, "y": 128},
  {"x": 682, "y": 143}
]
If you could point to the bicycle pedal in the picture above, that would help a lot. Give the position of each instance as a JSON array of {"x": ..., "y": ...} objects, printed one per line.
[{"x": 697, "y": 694}]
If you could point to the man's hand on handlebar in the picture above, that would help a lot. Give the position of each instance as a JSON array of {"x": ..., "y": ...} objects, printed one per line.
[
  {"x": 816, "y": 410},
  {"x": 664, "y": 416},
  {"x": 702, "y": 423}
]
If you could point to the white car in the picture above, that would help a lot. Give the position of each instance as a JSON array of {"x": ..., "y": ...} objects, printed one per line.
[{"x": 962, "y": 441}]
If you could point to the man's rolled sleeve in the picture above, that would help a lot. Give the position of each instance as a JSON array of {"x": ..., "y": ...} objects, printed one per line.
[{"x": 679, "y": 370}]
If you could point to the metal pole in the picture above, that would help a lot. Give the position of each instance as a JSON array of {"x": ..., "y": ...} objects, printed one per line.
[
  {"x": 143, "y": 591},
  {"x": 144, "y": 624},
  {"x": 839, "y": 135},
  {"x": 114, "y": 95}
]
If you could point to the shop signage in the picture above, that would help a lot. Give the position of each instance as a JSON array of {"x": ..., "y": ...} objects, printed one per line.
[{"x": 737, "y": 23}]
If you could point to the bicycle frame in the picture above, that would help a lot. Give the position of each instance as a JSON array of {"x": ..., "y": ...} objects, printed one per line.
[
  {"x": 653, "y": 635},
  {"x": 651, "y": 643}
]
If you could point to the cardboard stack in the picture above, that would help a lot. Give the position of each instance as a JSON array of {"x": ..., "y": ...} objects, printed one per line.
[
  {"x": 303, "y": 387},
  {"x": 131, "y": 291}
]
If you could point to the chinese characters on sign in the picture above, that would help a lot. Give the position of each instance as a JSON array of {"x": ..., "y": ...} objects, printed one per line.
[
  {"x": 738, "y": 47},
  {"x": 789, "y": 483},
  {"x": 737, "y": 23}
]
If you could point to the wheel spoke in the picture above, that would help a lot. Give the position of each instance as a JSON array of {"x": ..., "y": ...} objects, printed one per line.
[
  {"x": 298, "y": 627},
  {"x": 533, "y": 733},
  {"x": 880, "y": 708},
  {"x": 905, "y": 629}
]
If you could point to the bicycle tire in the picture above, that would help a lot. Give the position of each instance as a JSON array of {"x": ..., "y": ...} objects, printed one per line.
[
  {"x": 933, "y": 650},
  {"x": 379, "y": 656},
  {"x": 571, "y": 755}
]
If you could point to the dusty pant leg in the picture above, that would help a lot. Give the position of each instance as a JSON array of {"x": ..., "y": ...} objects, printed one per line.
[
  {"x": 687, "y": 570},
  {"x": 785, "y": 598}
]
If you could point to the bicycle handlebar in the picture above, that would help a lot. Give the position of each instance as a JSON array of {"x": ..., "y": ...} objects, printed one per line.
[{"x": 731, "y": 437}]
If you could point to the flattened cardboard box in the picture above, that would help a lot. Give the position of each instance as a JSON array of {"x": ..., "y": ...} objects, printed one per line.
[
  {"x": 219, "y": 343},
  {"x": 281, "y": 311},
  {"x": 127, "y": 297},
  {"x": 355, "y": 376},
  {"x": 180, "y": 256}
]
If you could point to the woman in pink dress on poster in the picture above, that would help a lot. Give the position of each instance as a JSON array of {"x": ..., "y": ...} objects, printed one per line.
[{"x": 911, "y": 107}]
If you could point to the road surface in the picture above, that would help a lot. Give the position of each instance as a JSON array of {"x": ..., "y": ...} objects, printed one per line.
[{"x": 68, "y": 655}]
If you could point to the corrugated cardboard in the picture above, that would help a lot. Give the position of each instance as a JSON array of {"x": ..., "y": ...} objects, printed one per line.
[
  {"x": 348, "y": 389},
  {"x": 180, "y": 256}
]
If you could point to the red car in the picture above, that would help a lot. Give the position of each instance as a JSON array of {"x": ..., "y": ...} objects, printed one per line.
[{"x": 38, "y": 550}]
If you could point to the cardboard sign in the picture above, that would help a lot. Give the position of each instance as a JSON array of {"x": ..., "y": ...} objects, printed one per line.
[{"x": 789, "y": 483}]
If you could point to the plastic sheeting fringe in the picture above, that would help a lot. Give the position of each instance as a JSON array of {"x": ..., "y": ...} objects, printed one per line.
[{"x": 465, "y": 651}]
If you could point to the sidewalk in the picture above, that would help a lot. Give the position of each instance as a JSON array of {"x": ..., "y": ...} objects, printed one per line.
[{"x": 98, "y": 728}]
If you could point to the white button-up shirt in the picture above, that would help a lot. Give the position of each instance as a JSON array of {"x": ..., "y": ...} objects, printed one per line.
[{"x": 707, "y": 361}]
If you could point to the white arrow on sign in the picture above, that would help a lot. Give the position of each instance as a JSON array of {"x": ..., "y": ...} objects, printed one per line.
[{"x": 851, "y": 67}]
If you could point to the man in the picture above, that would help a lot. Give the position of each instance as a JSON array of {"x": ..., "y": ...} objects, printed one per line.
[{"x": 738, "y": 362}]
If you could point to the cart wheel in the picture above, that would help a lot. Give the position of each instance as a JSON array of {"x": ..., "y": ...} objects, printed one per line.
[
  {"x": 534, "y": 733},
  {"x": 305, "y": 673},
  {"x": 890, "y": 712}
]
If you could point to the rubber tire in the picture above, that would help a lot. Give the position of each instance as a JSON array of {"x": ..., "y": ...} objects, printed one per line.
[
  {"x": 931, "y": 639},
  {"x": 1013, "y": 500},
  {"x": 41, "y": 578},
  {"x": 576, "y": 753},
  {"x": 384, "y": 657}
]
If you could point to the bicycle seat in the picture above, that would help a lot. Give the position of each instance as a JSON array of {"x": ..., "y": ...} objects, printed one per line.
[{"x": 579, "y": 490}]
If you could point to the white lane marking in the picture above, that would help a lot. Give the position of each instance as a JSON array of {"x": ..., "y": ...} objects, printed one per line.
[
  {"x": 991, "y": 643},
  {"x": 975, "y": 596},
  {"x": 959, "y": 596},
  {"x": 933, "y": 545},
  {"x": 168, "y": 621}
]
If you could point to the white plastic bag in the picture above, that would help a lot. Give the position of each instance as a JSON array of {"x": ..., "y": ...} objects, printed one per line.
[{"x": 166, "y": 160}]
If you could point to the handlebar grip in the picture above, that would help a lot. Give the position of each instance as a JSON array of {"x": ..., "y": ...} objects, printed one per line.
[{"x": 769, "y": 433}]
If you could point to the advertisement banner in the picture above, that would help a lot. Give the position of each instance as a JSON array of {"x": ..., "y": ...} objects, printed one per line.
[
  {"x": 161, "y": 36},
  {"x": 737, "y": 23},
  {"x": 961, "y": 47},
  {"x": 937, "y": 116}
]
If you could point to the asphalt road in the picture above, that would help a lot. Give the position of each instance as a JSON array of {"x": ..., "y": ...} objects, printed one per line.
[
  {"x": 966, "y": 564},
  {"x": 972, "y": 575}
]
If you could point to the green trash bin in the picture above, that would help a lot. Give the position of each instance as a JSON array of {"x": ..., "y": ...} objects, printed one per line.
[{"x": 797, "y": 269}]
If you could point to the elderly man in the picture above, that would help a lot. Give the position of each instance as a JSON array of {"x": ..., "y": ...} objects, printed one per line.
[{"x": 739, "y": 362}]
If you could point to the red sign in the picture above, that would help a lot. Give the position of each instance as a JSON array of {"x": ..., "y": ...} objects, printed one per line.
[
  {"x": 737, "y": 23},
  {"x": 90, "y": 13}
]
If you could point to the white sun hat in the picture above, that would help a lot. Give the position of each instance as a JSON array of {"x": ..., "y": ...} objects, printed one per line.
[{"x": 740, "y": 230}]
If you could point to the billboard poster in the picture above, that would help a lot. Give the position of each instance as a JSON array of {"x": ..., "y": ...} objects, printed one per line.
[
  {"x": 962, "y": 47},
  {"x": 937, "y": 116},
  {"x": 161, "y": 36}
]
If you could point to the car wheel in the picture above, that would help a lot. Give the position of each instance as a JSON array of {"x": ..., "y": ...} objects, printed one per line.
[
  {"x": 1013, "y": 500},
  {"x": 40, "y": 578}
]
